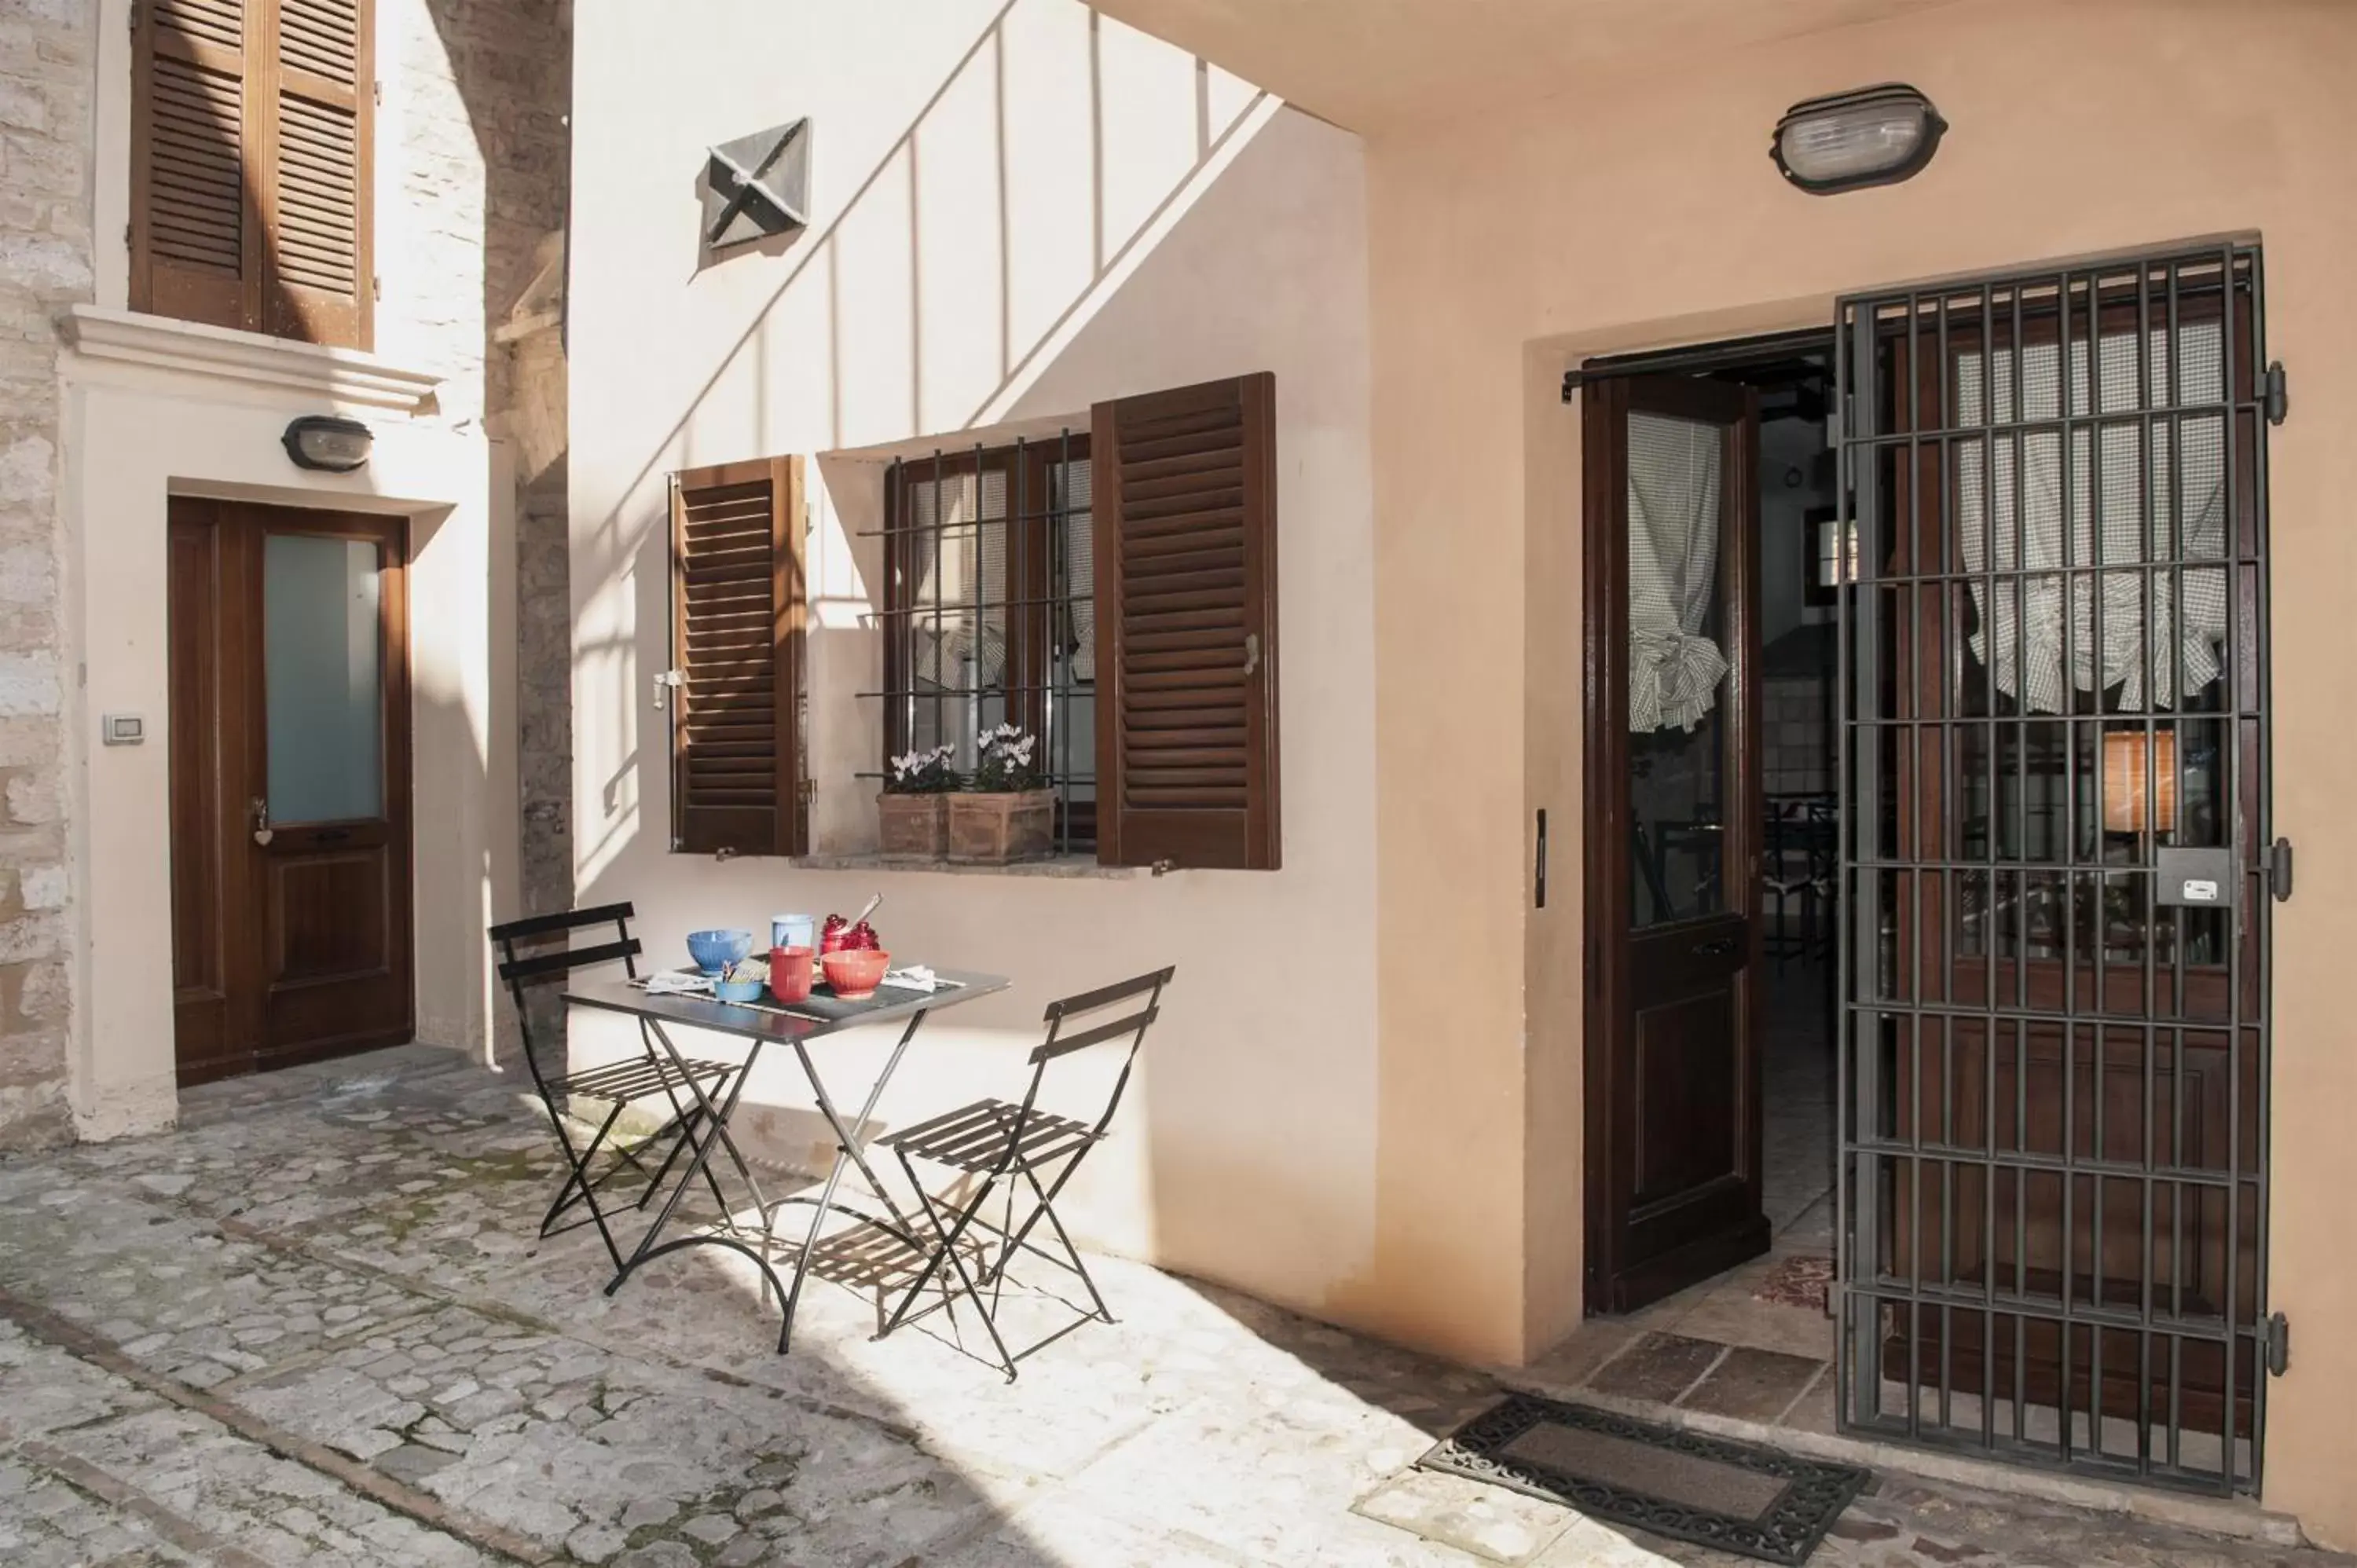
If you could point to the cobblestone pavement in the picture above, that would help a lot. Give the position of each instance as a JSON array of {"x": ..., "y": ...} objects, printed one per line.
[{"x": 315, "y": 1327}]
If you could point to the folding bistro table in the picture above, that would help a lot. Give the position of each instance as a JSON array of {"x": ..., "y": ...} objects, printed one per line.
[{"x": 794, "y": 1026}]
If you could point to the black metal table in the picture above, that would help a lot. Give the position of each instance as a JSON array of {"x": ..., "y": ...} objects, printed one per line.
[{"x": 761, "y": 1027}]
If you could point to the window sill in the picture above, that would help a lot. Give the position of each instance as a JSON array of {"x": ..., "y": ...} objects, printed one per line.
[
  {"x": 192, "y": 348},
  {"x": 1069, "y": 866}
]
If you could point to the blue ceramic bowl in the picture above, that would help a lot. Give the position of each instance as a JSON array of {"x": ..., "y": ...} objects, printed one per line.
[
  {"x": 716, "y": 951},
  {"x": 736, "y": 990}
]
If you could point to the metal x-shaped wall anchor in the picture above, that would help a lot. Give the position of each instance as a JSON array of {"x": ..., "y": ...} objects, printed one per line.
[{"x": 757, "y": 186}]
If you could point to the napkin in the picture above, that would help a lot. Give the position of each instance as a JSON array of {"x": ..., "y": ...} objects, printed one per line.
[
  {"x": 915, "y": 978},
  {"x": 674, "y": 984}
]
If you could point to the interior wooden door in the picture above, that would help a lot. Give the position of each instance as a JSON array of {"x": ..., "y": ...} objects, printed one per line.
[
  {"x": 1674, "y": 1060},
  {"x": 289, "y": 735}
]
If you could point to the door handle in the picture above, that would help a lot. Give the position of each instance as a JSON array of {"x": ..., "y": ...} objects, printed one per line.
[
  {"x": 1714, "y": 948},
  {"x": 261, "y": 809}
]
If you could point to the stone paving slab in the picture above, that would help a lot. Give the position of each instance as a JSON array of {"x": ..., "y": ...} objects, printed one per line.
[{"x": 318, "y": 1325}]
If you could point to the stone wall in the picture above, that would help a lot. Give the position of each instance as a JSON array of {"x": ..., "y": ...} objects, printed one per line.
[{"x": 47, "y": 83}]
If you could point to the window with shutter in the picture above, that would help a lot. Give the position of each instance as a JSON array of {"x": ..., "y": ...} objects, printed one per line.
[
  {"x": 1186, "y": 583},
  {"x": 738, "y": 626},
  {"x": 251, "y": 171}
]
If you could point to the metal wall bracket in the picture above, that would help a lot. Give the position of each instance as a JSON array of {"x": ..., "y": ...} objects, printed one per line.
[
  {"x": 2279, "y": 869},
  {"x": 2274, "y": 395},
  {"x": 2279, "y": 1344}
]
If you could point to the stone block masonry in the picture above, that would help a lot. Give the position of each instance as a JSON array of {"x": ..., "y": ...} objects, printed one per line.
[{"x": 48, "y": 87}]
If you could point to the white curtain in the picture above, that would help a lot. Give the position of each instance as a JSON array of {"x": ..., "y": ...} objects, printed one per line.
[
  {"x": 2022, "y": 639},
  {"x": 1674, "y": 526}
]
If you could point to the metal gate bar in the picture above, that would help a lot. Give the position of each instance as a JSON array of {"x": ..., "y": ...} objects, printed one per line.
[{"x": 2056, "y": 867}]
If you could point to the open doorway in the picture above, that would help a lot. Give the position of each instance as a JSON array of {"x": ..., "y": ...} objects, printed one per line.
[
  {"x": 2019, "y": 1144},
  {"x": 1714, "y": 800}
]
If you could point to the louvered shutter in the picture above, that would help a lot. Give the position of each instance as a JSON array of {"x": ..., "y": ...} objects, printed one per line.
[
  {"x": 737, "y": 623},
  {"x": 196, "y": 233},
  {"x": 319, "y": 286},
  {"x": 1186, "y": 583},
  {"x": 250, "y": 172}
]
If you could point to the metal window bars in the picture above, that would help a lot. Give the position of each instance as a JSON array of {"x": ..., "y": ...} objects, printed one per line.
[
  {"x": 989, "y": 612},
  {"x": 2053, "y": 1193}
]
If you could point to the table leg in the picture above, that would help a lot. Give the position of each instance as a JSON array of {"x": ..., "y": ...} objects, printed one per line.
[
  {"x": 716, "y": 1136},
  {"x": 847, "y": 1148}
]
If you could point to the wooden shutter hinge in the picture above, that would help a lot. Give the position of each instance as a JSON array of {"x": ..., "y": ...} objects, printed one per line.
[
  {"x": 376, "y": 287},
  {"x": 2279, "y": 1344},
  {"x": 665, "y": 681},
  {"x": 2274, "y": 394}
]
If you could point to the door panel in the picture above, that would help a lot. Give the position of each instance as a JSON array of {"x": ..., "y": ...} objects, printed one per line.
[
  {"x": 2057, "y": 904},
  {"x": 1673, "y": 785},
  {"x": 290, "y": 769}
]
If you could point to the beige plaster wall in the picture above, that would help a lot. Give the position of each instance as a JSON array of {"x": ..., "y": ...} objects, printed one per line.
[
  {"x": 1642, "y": 210},
  {"x": 1017, "y": 209}
]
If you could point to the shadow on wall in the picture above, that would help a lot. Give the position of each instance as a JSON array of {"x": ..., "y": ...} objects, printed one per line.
[{"x": 1100, "y": 136}]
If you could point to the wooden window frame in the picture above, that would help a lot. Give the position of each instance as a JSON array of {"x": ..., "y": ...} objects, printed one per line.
[{"x": 1032, "y": 611}]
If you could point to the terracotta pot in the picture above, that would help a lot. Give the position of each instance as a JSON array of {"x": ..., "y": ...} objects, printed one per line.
[
  {"x": 917, "y": 826},
  {"x": 994, "y": 828}
]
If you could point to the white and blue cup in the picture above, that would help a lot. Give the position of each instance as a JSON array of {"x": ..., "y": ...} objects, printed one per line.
[{"x": 795, "y": 931}]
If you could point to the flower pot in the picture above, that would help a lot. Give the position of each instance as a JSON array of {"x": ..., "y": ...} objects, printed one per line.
[
  {"x": 917, "y": 826},
  {"x": 994, "y": 828}
]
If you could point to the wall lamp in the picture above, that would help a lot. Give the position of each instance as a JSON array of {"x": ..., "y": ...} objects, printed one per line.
[
  {"x": 1875, "y": 135},
  {"x": 327, "y": 442}
]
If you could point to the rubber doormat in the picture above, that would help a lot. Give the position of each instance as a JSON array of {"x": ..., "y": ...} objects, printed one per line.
[{"x": 1737, "y": 1497}]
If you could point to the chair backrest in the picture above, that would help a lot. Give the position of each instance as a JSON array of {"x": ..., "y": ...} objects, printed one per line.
[
  {"x": 1134, "y": 1004},
  {"x": 539, "y": 962}
]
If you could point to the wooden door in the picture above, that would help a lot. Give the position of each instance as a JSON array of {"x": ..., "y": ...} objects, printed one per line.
[
  {"x": 1673, "y": 1062},
  {"x": 289, "y": 736}
]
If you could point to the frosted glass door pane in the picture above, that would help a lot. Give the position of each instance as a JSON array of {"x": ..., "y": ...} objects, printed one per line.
[{"x": 320, "y": 619}]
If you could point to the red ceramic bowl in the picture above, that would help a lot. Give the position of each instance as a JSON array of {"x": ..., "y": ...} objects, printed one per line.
[{"x": 852, "y": 974}]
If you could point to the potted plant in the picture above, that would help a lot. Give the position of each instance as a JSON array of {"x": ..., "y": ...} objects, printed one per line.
[
  {"x": 912, "y": 813},
  {"x": 1005, "y": 812}
]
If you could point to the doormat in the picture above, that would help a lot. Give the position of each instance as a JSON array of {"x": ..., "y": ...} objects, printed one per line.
[
  {"x": 1738, "y": 1496},
  {"x": 1798, "y": 1281}
]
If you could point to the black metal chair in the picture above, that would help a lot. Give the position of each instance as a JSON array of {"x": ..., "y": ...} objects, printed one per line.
[
  {"x": 617, "y": 1083},
  {"x": 1016, "y": 1145}
]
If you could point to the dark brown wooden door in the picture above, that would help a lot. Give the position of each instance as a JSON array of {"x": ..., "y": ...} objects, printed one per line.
[
  {"x": 289, "y": 733},
  {"x": 1673, "y": 812}
]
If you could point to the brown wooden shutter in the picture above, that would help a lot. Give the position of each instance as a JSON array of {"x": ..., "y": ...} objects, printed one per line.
[
  {"x": 1186, "y": 583},
  {"x": 250, "y": 174},
  {"x": 738, "y": 626}
]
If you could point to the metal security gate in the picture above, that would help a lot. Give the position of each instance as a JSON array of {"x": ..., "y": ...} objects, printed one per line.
[{"x": 2058, "y": 868}]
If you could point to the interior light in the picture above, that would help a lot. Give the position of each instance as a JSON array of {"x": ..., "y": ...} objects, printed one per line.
[
  {"x": 324, "y": 441},
  {"x": 1876, "y": 135}
]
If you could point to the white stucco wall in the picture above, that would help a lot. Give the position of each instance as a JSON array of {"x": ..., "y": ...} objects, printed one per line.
[{"x": 1018, "y": 211}]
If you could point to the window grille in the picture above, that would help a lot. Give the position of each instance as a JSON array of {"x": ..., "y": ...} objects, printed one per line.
[{"x": 990, "y": 613}]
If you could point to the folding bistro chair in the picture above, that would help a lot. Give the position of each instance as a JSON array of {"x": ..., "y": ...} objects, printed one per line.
[
  {"x": 617, "y": 1083},
  {"x": 1016, "y": 1145}
]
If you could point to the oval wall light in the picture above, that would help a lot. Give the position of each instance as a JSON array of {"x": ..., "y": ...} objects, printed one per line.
[
  {"x": 1875, "y": 135},
  {"x": 327, "y": 442}
]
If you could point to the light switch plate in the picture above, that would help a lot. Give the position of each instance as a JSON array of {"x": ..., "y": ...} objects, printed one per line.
[
  {"x": 2194, "y": 878},
  {"x": 122, "y": 729}
]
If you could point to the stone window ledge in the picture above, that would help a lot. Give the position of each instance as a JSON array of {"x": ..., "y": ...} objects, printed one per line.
[
  {"x": 337, "y": 375},
  {"x": 1069, "y": 866}
]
